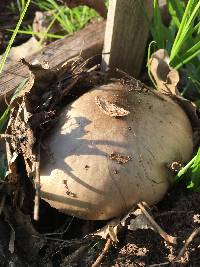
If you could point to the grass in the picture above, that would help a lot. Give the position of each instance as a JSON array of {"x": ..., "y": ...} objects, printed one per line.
[
  {"x": 191, "y": 173},
  {"x": 18, "y": 6},
  {"x": 67, "y": 20},
  {"x": 3, "y": 60},
  {"x": 70, "y": 20},
  {"x": 182, "y": 41},
  {"x": 188, "y": 33},
  {"x": 4, "y": 117},
  {"x": 41, "y": 35}
]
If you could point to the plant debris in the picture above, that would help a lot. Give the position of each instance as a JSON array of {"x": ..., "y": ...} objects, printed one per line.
[
  {"x": 35, "y": 109},
  {"x": 33, "y": 112},
  {"x": 110, "y": 109},
  {"x": 167, "y": 79},
  {"x": 121, "y": 159}
]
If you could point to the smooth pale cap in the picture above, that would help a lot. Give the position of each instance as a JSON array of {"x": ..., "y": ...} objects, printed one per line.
[{"x": 84, "y": 177}]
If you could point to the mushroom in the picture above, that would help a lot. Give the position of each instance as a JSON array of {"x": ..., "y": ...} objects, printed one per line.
[{"x": 111, "y": 148}]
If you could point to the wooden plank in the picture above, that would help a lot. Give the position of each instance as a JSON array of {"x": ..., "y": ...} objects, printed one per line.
[
  {"x": 88, "y": 42},
  {"x": 127, "y": 31}
]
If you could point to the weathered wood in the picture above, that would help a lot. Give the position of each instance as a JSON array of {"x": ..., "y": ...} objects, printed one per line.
[
  {"x": 87, "y": 42},
  {"x": 127, "y": 31}
]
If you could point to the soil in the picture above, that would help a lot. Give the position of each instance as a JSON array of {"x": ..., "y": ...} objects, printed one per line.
[{"x": 178, "y": 214}]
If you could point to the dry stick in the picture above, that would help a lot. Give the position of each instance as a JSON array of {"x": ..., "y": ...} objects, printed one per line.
[
  {"x": 37, "y": 185},
  {"x": 162, "y": 233},
  {"x": 103, "y": 253},
  {"x": 159, "y": 264},
  {"x": 187, "y": 243},
  {"x": 5, "y": 136}
]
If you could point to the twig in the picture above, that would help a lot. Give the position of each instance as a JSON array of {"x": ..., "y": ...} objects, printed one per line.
[
  {"x": 63, "y": 232},
  {"x": 187, "y": 243},
  {"x": 103, "y": 253},
  {"x": 159, "y": 264},
  {"x": 6, "y": 136},
  {"x": 37, "y": 185},
  {"x": 162, "y": 233},
  {"x": 68, "y": 243}
]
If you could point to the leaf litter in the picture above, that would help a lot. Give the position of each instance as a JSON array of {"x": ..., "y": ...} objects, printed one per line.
[
  {"x": 33, "y": 112},
  {"x": 167, "y": 80}
]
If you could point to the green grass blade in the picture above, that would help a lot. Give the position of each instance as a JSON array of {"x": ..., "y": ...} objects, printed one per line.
[
  {"x": 70, "y": 20},
  {"x": 3, "y": 119},
  {"x": 162, "y": 35},
  {"x": 185, "y": 27},
  {"x": 62, "y": 16},
  {"x": 196, "y": 28},
  {"x": 191, "y": 173},
  {"x": 18, "y": 89},
  {"x": 195, "y": 174},
  {"x": 43, "y": 5},
  {"x": 3, "y": 61},
  {"x": 148, "y": 63},
  {"x": 184, "y": 19},
  {"x": 196, "y": 84},
  {"x": 46, "y": 33},
  {"x": 158, "y": 25},
  {"x": 41, "y": 34},
  {"x": 185, "y": 168},
  {"x": 176, "y": 10},
  {"x": 189, "y": 55}
]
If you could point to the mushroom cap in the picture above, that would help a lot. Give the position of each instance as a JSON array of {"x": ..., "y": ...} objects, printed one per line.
[{"x": 110, "y": 149}]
